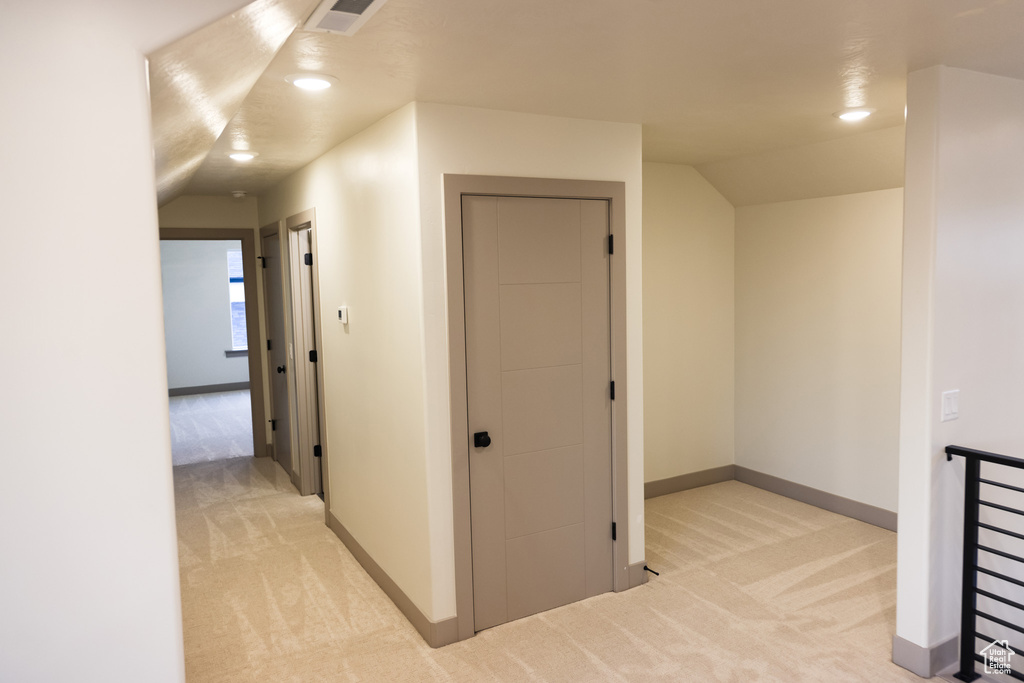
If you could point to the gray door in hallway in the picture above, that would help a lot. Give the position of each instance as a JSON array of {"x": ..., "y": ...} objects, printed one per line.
[
  {"x": 538, "y": 379},
  {"x": 277, "y": 357},
  {"x": 307, "y": 413}
]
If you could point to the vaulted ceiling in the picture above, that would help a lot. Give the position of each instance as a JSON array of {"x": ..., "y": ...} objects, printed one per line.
[{"x": 710, "y": 81}]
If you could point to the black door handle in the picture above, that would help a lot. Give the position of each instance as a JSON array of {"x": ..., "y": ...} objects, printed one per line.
[
  {"x": 281, "y": 368},
  {"x": 481, "y": 440}
]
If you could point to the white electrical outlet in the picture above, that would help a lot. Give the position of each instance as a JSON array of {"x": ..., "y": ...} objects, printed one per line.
[{"x": 950, "y": 405}]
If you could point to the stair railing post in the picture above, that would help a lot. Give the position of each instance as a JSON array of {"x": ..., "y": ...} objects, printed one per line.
[{"x": 968, "y": 605}]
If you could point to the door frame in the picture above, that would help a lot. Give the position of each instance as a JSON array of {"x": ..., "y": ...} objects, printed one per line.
[
  {"x": 252, "y": 317},
  {"x": 285, "y": 228},
  {"x": 455, "y": 187}
]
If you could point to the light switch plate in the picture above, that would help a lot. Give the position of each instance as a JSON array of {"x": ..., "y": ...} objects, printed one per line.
[
  {"x": 950, "y": 405},
  {"x": 343, "y": 315}
]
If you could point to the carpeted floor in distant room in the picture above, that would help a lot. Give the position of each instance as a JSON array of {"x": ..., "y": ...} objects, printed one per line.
[{"x": 207, "y": 427}]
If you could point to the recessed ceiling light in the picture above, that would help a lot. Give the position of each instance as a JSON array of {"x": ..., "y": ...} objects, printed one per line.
[
  {"x": 308, "y": 81},
  {"x": 243, "y": 156},
  {"x": 854, "y": 114}
]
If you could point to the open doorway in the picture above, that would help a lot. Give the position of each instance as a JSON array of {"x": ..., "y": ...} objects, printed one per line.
[
  {"x": 211, "y": 323},
  {"x": 207, "y": 349}
]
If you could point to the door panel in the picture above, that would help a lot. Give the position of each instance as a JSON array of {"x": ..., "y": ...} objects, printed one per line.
[
  {"x": 273, "y": 281},
  {"x": 546, "y": 570},
  {"x": 483, "y": 384},
  {"x": 597, "y": 413},
  {"x": 312, "y": 390},
  {"x": 543, "y": 491},
  {"x": 538, "y": 373},
  {"x": 303, "y": 326},
  {"x": 540, "y": 240},
  {"x": 542, "y": 408},
  {"x": 529, "y": 312}
]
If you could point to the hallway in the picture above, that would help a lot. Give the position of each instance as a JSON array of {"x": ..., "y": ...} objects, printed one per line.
[{"x": 753, "y": 586}]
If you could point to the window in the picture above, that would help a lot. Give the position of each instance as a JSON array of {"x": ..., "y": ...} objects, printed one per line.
[{"x": 236, "y": 294}]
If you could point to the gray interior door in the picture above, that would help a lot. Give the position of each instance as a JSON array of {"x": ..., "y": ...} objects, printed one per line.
[
  {"x": 538, "y": 373},
  {"x": 307, "y": 418},
  {"x": 277, "y": 357}
]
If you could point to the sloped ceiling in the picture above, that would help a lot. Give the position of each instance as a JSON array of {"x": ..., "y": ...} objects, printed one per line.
[
  {"x": 710, "y": 81},
  {"x": 854, "y": 163},
  {"x": 198, "y": 83}
]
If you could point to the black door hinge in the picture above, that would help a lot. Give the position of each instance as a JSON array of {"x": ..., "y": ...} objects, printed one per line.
[
  {"x": 317, "y": 452},
  {"x": 309, "y": 259},
  {"x": 613, "y": 391},
  {"x": 312, "y": 356},
  {"x": 273, "y": 425},
  {"x": 611, "y": 244},
  {"x": 269, "y": 345},
  {"x": 613, "y": 531}
]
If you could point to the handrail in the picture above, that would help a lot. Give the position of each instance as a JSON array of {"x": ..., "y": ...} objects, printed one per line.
[
  {"x": 970, "y": 591},
  {"x": 985, "y": 456}
]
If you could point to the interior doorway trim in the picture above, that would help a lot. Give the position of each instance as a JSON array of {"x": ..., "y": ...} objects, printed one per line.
[
  {"x": 285, "y": 229},
  {"x": 252, "y": 317},
  {"x": 302, "y": 221},
  {"x": 455, "y": 187}
]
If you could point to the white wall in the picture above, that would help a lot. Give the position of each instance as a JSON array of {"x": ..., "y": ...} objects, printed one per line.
[
  {"x": 365, "y": 193},
  {"x": 200, "y": 211},
  {"x": 484, "y": 142},
  {"x": 963, "y": 320},
  {"x": 197, "y": 313},
  {"x": 89, "y": 575},
  {"x": 818, "y": 342},
  {"x": 689, "y": 323}
]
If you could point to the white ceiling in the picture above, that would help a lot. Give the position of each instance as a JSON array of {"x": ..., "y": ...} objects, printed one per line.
[{"x": 709, "y": 80}]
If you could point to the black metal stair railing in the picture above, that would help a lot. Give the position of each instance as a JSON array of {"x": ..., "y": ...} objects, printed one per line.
[{"x": 969, "y": 612}]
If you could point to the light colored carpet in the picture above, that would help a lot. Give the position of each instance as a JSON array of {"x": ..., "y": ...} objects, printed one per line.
[
  {"x": 208, "y": 427},
  {"x": 753, "y": 587}
]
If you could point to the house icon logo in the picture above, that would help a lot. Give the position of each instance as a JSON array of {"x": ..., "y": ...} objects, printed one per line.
[{"x": 997, "y": 657}]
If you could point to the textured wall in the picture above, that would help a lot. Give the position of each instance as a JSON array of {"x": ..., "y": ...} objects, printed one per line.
[
  {"x": 197, "y": 316},
  {"x": 818, "y": 342},
  {"x": 963, "y": 326},
  {"x": 89, "y": 577},
  {"x": 689, "y": 323},
  {"x": 368, "y": 248}
]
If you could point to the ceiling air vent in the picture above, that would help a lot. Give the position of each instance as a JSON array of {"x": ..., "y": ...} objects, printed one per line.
[{"x": 342, "y": 16}]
